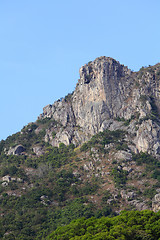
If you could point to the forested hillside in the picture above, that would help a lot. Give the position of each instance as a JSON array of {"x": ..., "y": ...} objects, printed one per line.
[{"x": 129, "y": 225}]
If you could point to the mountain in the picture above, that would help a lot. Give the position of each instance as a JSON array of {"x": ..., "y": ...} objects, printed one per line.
[
  {"x": 107, "y": 95},
  {"x": 94, "y": 152}
]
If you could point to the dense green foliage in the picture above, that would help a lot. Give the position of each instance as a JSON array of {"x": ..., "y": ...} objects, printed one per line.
[
  {"x": 34, "y": 219},
  {"x": 133, "y": 225},
  {"x": 152, "y": 164}
]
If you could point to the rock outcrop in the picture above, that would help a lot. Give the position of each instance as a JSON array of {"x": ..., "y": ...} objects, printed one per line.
[
  {"x": 156, "y": 203},
  {"x": 17, "y": 150},
  {"x": 147, "y": 139},
  {"x": 106, "y": 96}
]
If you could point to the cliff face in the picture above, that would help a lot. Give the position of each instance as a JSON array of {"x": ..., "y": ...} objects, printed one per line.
[
  {"x": 100, "y": 93},
  {"x": 108, "y": 95}
]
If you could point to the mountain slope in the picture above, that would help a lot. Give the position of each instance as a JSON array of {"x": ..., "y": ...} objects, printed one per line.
[{"x": 93, "y": 153}]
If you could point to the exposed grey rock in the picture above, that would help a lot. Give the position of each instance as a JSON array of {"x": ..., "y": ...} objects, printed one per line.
[
  {"x": 43, "y": 197},
  {"x": 94, "y": 150},
  {"x": 147, "y": 139},
  {"x": 4, "y": 184},
  {"x": 123, "y": 155},
  {"x": 107, "y": 91},
  {"x": 93, "y": 100},
  {"x": 110, "y": 201},
  {"x": 61, "y": 111},
  {"x": 110, "y": 145},
  {"x": 18, "y": 150},
  {"x": 76, "y": 173},
  {"x": 62, "y": 137},
  {"x": 13, "y": 179},
  {"x": 44, "y": 200},
  {"x": 128, "y": 169},
  {"x": 38, "y": 150},
  {"x": 127, "y": 195},
  {"x": 88, "y": 166},
  {"x": 156, "y": 203},
  {"x": 139, "y": 205},
  {"x": 6, "y": 178},
  {"x": 20, "y": 180}
]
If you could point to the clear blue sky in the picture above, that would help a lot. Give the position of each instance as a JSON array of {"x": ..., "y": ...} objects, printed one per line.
[{"x": 44, "y": 43}]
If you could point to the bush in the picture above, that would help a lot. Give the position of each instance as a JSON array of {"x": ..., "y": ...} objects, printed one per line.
[{"x": 119, "y": 176}]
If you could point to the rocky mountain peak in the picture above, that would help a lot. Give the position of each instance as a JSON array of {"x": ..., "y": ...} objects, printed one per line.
[
  {"x": 107, "y": 93},
  {"x": 102, "y": 66},
  {"x": 100, "y": 92},
  {"x": 110, "y": 96}
]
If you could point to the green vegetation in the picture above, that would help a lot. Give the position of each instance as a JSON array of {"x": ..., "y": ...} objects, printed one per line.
[
  {"x": 120, "y": 119},
  {"x": 151, "y": 162},
  {"x": 154, "y": 114},
  {"x": 147, "y": 159},
  {"x": 54, "y": 156},
  {"x": 57, "y": 156},
  {"x": 145, "y": 69},
  {"x": 28, "y": 136},
  {"x": 55, "y": 189},
  {"x": 28, "y": 217},
  {"x": 12, "y": 170},
  {"x": 156, "y": 174},
  {"x": 53, "y": 134},
  {"x": 158, "y": 73},
  {"x": 154, "y": 111},
  {"x": 127, "y": 226},
  {"x": 152, "y": 169},
  {"x": 68, "y": 97},
  {"x": 24, "y": 214},
  {"x": 119, "y": 176},
  {"x": 103, "y": 138},
  {"x": 126, "y": 122},
  {"x": 143, "y": 98}
]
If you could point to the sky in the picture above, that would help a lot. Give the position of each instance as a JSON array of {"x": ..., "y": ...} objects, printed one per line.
[{"x": 44, "y": 43}]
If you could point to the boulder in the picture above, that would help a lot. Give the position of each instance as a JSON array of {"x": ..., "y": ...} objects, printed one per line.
[
  {"x": 123, "y": 155},
  {"x": 38, "y": 150},
  {"x": 17, "y": 150}
]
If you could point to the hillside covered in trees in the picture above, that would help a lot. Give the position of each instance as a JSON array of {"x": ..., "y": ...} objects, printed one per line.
[{"x": 129, "y": 225}]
